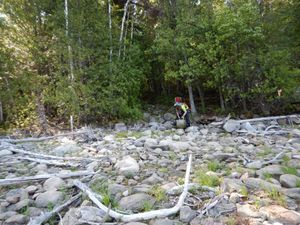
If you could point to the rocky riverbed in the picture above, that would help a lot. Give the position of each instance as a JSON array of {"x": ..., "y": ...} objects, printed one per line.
[{"x": 237, "y": 178}]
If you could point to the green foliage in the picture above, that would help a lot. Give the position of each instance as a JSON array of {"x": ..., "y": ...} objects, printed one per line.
[
  {"x": 147, "y": 206},
  {"x": 290, "y": 170},
  {"x": 214, "y": 166},
  {"x": 158, "y": 193},
  {"x": 244, "y": 191},
  {"x": 264, "y": 151},
  {"x": 101, "y": 187},
  {"x": 298, "y": 183},
  {"x": 207, "y": 180},
  {"x": 277, "y": 196}
]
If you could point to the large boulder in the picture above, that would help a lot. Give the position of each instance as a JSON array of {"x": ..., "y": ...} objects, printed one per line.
[
  {"x": 5, "y": 153},
  {"x": 186, "y": 214},
  {"x": 17, "y": 219},
  {"x": 175, "y": 146},
  {"x": 120, "y": 127},
  {"x": 293, "y": 193},
  {"x": 54, "y": 183},
  {"x": 16, "y": 195},
  {"x": 136, "y": 202},
  {"x": 69, "y": 148},
  {"x": 259, "y": 184},
  {"x": 49, "y": 198},
  {"x": 128, "y": 166},
  {"x": 231, "y": 125},
  {"x": 289, "y": 180},
  {"x": 169, "y": 117},
  {"x": 276, "y": 213},
  {"x": 275, "y": 170}
]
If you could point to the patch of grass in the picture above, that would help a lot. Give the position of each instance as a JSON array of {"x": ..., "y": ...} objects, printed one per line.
[
  {"x": 50, "y": 206},
  {"x": 180, "y": 181},
  {"x": 231, "y": 221},
  {"x": 101, "y": 187},
  {"x": 277, "y": 196},
  {"x": 267, "y": 176},
  {"x": 135, "y": 134},
  {"x": 159, "y": 193},
  {"x": 244, "y": 191},
  {"x": 257, "y": 203},
  {"x": 207, "y": 180},
  {"x": 214, "y": 166},
  {"x": 298, "y": 183},
  {"x": 122, "y": 134},
  {"x": 285, "y": 159},
  {"x": 172, "y": 156},
  {"x": 163, "y": 170},
  {"x": 24, "y": 211},
  {"x": 265, "y": 151},
  {"x": 147, "y": 206},
  {"x": 290, "y": 170}
]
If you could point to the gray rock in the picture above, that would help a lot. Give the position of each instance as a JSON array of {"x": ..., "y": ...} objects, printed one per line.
[
  {"x": 114, "y": 189},
  {"x": 191, "y": 129},
  {"x": 5, "y": 152},
  {"x": 135, "y": 223},
  {"x": 247, "y": 211},
  {"x": 186, "y": 214},
  {"x": 289, "y": 180},
  {"x": 136, "y": 202},
  {"x": 31, "y": 189},
  {"x": 49, "y": 197},
  {"x": 17, "y": 219},
  {"x": 21, "y": 204},
  {"x": 294, "y": 163},
  {"x": 153, "y": 179},
  {"x": 128, "y": 166},
  {"x": 6, "y": 215},
  {"x": 169, "y": 117},
  {"x": 33, "y": 211},
  {"x": 176, "y": 146},
  {"x": 120, "y": 127},
  {"x": 66, "y": 149},
  {"x": 258, "y": 184},
  {"x": 275, "y": 170},
  {"x": 276, "y": 213},
  {"x": 255, "y": 165},
  {"x": 54, "y": 183},
  {"x": 293, "y": 193},
  {"x": 248, "y": 127},
  {"x": 71, "y": 217},
  {"x": 15, "y": 195},
  {"x": 165, "y": 221},
  {"x": 231, "y": 125},
  {"x": 92, "y": 214}
]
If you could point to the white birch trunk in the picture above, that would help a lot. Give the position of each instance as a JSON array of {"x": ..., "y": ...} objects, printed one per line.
[
  {"x": 122, "y": 26},
  {"x": 133, "y": 18},
  {"x": 191, "y": 97},
  {"x": 71, "y": 64},
  {"x": 110, "y": 32}
]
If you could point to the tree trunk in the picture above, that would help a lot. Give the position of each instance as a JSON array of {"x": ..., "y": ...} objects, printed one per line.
[
  {"x": 1, "y": 112},
  {"x": 122, "y": 26},
  {"x": 191, "y": 97},
  {"x": 222, "y": 104},
  {"x": 71, "y": 64},
  {"x": 201, "y": 95},
  {"x": 110, "y": 35},
  {"x": 41, "y": 112}
]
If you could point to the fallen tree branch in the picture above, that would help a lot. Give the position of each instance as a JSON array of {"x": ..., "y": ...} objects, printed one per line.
[
  {"x": 268, "y": 118},
  {"x": 145, "y": 215},
  {"x": 46, "y": 216},
  {"x": 48, "y": 162},
  {"x": 275, "y": 159},
  {"x": 18, "y": 180},
  {"x": 38, "y": 155},
  {"x": 15, "y": 141}
]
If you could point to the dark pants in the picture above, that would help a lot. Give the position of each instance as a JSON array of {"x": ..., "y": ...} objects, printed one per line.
[{"x": 187, "y": 118}]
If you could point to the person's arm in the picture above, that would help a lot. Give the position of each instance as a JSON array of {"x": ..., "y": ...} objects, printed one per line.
[
  {"x": 177, "y": 113},
  {"x": 184, "y": 112}
]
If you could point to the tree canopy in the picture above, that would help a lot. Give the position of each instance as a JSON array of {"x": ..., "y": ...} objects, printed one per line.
[{"x": 102, "y": 60}]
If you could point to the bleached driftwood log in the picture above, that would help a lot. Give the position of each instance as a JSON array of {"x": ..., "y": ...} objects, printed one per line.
[
  {"x": 267, "y": 118},
  {"x": 49, "y": 162},
  {"x": 46, "y": 216},
  {"x": 38, "y": 155},
  {"x": 15, "y": 141},
  {"x": 18, "y": 180},
  {"x": 161, "y": 213}
]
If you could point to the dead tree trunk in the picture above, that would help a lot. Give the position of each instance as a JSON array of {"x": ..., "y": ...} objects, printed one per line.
[
  {"x": 71, "y": 64},
  {"x": 222, "y": 103},
  {"x": 40, "y": 108},
  {"x": 201, "y": 95},
  {"x": 1, "y": 112},
  {"x": 191, "y": 97},
  {"x": 110, "y": 34}
]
